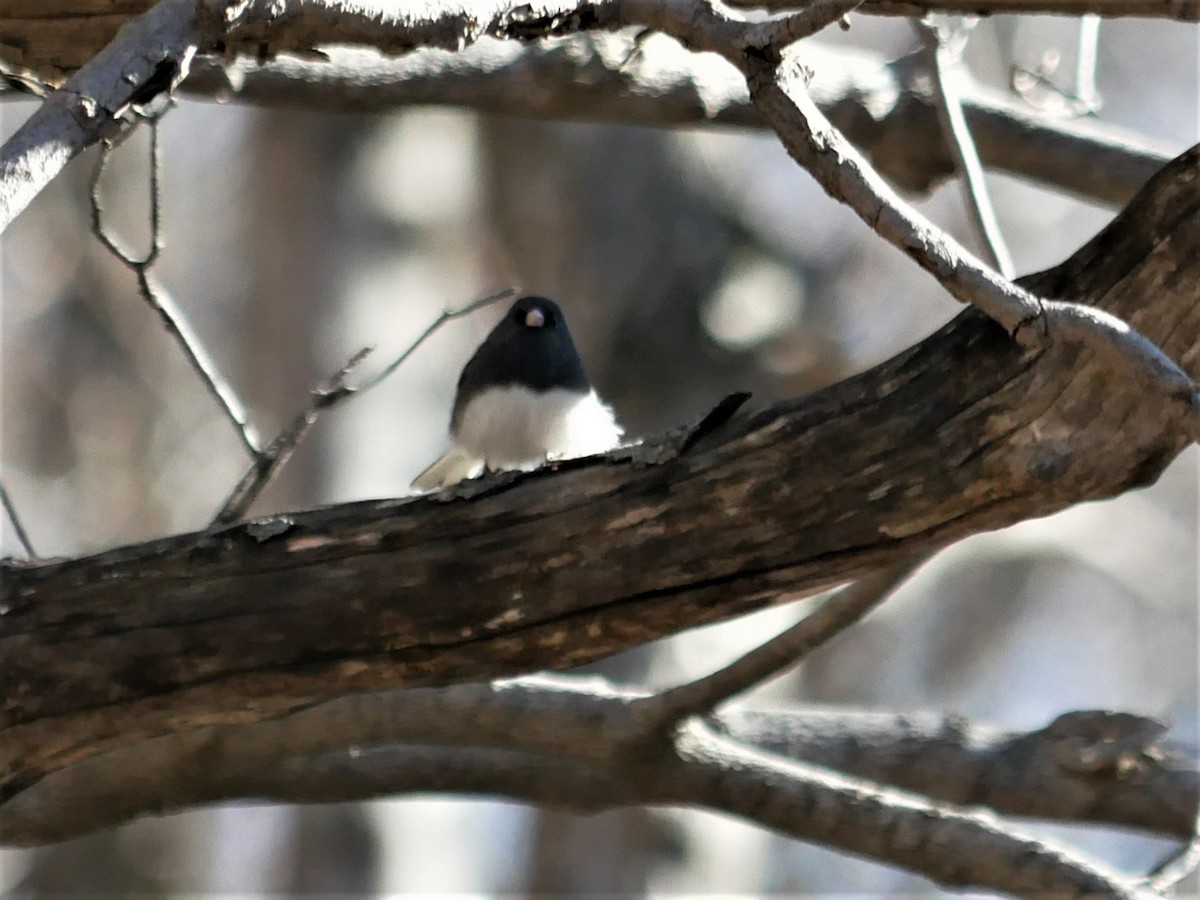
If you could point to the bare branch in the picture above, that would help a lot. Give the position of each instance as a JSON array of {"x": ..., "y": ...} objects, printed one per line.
[
  {"x": 507, "y": 738},
  {"x": 1085, "y": 65},
  {"x": 665, "y": 710},
  {"x": 149, "y": 55},
  {"x": 445, "y": 316},
  {"x": 22, "y": 536},
  {"x": 785, "y": 104},
  {"x": 884, "y": 108},
  {"x": 267, "y": 464},
  {"x": 1182, "y": 10},
  {"x": 944, "y": 57},
  {"x": 954, "y": 848},
  {"x": 161, "y": 302}
]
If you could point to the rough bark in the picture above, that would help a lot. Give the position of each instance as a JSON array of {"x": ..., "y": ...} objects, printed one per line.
[
  {"x": 53, "y": 37},
  {"x": 964, "y": 432},
  {"x": 1084, "y": 767}
]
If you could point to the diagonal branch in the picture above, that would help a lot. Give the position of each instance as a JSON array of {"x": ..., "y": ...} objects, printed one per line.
[
  {"x": 954, "y": 848},
  {"x": 665, "y": 710},
  {"x": 266, "y": 465},
  {"x": 149, "y": 56},
  {"x": 10, "y": 510},
  {"x": 944, "y": 59},
  {"x": 160, "y": 301}
]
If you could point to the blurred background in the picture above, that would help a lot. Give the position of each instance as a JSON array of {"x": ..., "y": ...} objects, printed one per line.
[{"x": 690, "y": 263}]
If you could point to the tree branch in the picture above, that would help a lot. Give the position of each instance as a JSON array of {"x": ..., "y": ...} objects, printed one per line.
[
  {"x": 665, "y": 710},
  {"x": 160, "y": 301},
  {"x": 520, "y": 572},
  {"x": 10, "y": 510},
  {"x": 954, "y": 848},
  {"x": 558, "y": 740},
  {"x": 50, "y": 37},
  {"x": 885, "y": 108},
  {"x": 943, "y": 50},
  {"x": 150, "y": 55},
  {"x": 1181, "y": 10}
]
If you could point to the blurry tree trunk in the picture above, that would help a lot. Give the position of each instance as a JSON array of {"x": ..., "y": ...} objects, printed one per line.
[{"x": 302, "y": 167}]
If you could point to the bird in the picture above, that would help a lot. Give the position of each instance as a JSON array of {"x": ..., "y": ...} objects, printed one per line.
[{"x": 523, "y": 398}]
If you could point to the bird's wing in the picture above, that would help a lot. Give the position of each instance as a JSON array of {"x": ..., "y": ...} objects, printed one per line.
[{"x": 456, "y": 465}]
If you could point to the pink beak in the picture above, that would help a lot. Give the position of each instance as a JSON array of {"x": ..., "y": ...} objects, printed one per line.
[{"x": 535, "y": 318}]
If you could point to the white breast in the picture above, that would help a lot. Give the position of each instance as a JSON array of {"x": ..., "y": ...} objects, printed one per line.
[{"x": 515, "y": 428}]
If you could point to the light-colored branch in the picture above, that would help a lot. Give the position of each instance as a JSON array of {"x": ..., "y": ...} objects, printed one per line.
[
  {"x": 952, "y": 847},
  {"x": 945, "y": 67},
  {"x": 1085, "y": 64},
  {"x": 149, "y": 55},
  {"x": 885, "y": 108},
  {"x": 51, "y": 37},
  {"x": 785, "y": 104}
]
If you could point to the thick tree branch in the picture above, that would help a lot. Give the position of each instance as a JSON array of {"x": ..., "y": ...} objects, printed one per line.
[
  {"x": 963, "y": 433},
  {"x": 559, "y": 741},
  {"x": 55, "y": 36},
  {"x": 357, "y": 748},
  {"x": 885, "y": 108}
]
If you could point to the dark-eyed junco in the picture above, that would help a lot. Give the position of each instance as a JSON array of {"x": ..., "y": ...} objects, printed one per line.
[{"x": 523, "y": 398}]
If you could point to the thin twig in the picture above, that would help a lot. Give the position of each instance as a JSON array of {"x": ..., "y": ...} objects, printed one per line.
[
  {"x": 266, "y": 465},
  {"x": 445, "y": 316},
  {"x": 1085, "y": 63},
  {"x": 157, "y": 297},
  {"x": 22, "y": 535},
  {"x": 1178, "y": 865},
  {"x": 334, "y": 390},
  {"x": 666, "y": 709},
  {"x": 945, "y": 55}
]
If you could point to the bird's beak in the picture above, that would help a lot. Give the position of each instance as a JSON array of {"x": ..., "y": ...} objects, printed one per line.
[{"x": 535, "y": 318}]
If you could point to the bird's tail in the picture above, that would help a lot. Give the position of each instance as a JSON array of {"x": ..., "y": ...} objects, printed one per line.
[{"x": 455, "y": 466}]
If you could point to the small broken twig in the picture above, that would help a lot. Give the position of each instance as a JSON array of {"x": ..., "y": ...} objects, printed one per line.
[{"x": 22, "y": 535}]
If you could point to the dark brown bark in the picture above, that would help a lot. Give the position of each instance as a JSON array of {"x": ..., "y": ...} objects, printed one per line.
[{"x": 963, "y": 433}]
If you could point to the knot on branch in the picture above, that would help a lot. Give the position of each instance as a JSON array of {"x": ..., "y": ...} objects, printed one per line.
[{"x": 1106, "y": 744}]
